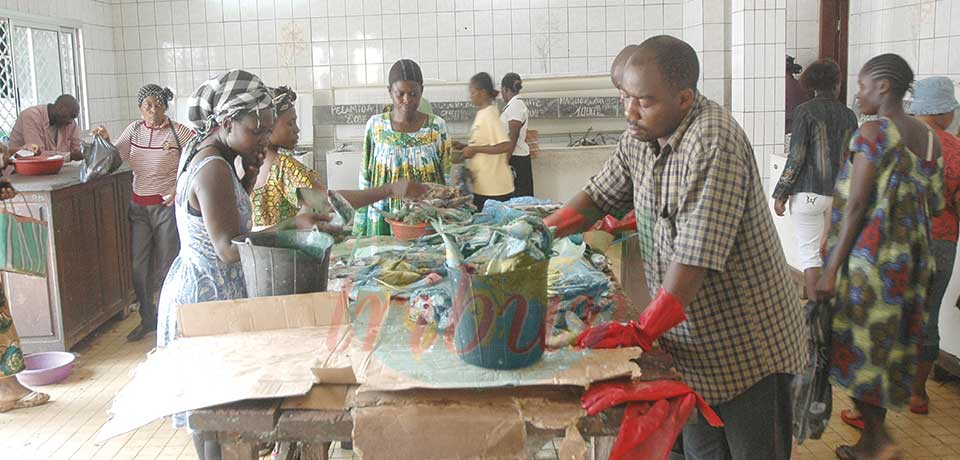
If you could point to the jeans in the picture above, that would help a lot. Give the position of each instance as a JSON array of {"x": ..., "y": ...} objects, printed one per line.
[{"x": 945, "y": 252}]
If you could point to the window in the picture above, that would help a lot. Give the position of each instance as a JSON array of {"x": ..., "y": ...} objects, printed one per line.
[{"x": 38, "y": 63}]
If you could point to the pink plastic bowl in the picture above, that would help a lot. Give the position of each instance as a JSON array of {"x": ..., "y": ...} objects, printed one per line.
[{"x": 46, "y": 368}]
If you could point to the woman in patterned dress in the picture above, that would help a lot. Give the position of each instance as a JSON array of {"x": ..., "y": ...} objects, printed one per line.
[
  {"x": 403, "y": 143},
  {"x": 13, "y": 395},
  {"x": 879, "y": 264},
  {"x": 275, "y": 193}
]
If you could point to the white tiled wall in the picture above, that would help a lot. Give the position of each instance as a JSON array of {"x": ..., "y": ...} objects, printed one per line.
[
  {"x": 314, "y": 45},
  {"x": 706, "y": 26},
  {"x": 758, "y": 47},
  {"x": 926, "y": 33},
  {"x": 97, "y": 19},
  {"x": 803, "y": 30}
]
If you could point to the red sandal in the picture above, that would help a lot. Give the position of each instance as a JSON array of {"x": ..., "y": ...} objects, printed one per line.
[
  {"x": 854, "y": 421},
  {"x": 922, "y": 408}
]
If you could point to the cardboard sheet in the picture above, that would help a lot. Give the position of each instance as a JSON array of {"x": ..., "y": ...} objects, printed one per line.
[
  {"x": 390, "y": 353},
  {"x": 466, "y": 424},
  {"x": 321, "y": 397},
  {"x": 237, "y": 350},
  {"x": 263, "y": 314}
]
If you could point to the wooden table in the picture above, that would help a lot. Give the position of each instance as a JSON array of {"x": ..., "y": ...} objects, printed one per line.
[{"x": 241, "y": 427}]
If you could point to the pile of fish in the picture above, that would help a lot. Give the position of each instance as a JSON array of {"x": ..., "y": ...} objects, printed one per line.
[
  {"x": 326, "y": 202},
  {"x": 439, "y": 203},
  {"x": 494, "y": 248}
]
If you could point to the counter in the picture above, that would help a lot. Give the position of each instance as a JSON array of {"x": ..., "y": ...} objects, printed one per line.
[{"x": 89, "y": 268}]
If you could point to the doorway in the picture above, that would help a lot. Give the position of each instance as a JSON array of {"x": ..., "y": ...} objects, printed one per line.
[{"x": 834, "y": 33}]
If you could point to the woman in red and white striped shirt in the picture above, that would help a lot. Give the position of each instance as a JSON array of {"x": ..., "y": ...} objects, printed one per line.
[{"x": 152, "y": 147}]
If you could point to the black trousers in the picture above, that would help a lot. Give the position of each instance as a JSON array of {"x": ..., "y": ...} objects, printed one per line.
[
  {"x": 758, "y": 425},
  {"x": 155, "y": 241},
  {"x": 522, "y": 175}
]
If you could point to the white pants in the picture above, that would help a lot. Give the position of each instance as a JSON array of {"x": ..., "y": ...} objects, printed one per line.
[{"x": 810, "y": 213}]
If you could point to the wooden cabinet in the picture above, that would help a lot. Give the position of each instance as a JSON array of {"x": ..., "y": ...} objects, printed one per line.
[{"x": 89, "y": 263}]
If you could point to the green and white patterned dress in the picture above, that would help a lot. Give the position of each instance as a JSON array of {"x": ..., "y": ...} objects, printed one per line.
[{"x": 389, "y": 156}]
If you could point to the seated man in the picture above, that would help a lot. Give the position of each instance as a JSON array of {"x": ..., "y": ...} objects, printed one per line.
[{"x": 49, "y": 128}]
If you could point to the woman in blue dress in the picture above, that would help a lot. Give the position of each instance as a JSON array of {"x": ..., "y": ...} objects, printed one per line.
[{"x": 233, "y": 116}]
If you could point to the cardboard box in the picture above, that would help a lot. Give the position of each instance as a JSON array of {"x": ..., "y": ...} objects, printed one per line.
[
  {"x": 280, "y": 347},
  {"x": 265, "y": 347},
  {"x": 467, "y": 424},
  {"x": 414, "y": 387}
]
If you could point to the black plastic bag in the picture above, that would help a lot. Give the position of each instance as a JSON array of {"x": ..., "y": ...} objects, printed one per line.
[
  {"x": 100, "y": 158},
  {"x": 812, "y": 396}
]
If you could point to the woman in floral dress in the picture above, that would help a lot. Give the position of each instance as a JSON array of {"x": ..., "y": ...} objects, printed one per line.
[
  {"x": 403, "y": 143},
  {"x": 879, "y": 265}
]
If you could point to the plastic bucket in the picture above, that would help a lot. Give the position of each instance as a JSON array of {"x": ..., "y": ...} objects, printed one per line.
[
  {"x": 285, "y": 262},
  {"x": 499, "y": 319}
]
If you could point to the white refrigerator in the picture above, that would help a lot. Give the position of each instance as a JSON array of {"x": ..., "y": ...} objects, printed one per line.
[{"x": 343, "y": 168}]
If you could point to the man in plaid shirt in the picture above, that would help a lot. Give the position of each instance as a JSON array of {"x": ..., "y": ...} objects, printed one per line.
[{"x": 725, "y": 307}]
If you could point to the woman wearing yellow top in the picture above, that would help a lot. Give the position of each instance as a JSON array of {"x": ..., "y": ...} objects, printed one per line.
[
  {"x": 489, "y": 149},
  {"x": 275, "y": 193}
]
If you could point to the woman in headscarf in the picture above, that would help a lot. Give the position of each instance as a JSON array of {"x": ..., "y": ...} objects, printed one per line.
[
  {"x": 233, "y": 116},
  {"x": 275, "y": 193},
  {"x": 151, "y": 146},
  {"x": 403, "y": 143},
  {"x": 13, "y": 395}
]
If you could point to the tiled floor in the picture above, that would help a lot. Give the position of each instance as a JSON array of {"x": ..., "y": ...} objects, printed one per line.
[{"x": 65, "y": 427}]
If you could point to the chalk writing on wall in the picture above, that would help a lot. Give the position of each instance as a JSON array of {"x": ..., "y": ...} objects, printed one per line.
[
  {"x": 454, "y": 111},
  {"x": 352, "y": 114},
  {"x": 589, "y": 107},
  {"x": 543, "y": 107},
  {"x": 463, "y": 111}
]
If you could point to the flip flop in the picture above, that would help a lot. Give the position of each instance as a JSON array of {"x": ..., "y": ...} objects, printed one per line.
[
  {"x": 851, "y": 420},
  {"x": 34, "y": 399},
  {"x": 922, "y": 408}
]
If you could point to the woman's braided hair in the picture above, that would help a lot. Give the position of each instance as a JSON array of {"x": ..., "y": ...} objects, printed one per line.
[{"x": 894, "y": 69}]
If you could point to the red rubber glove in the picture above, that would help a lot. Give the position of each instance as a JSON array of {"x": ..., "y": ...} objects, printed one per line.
[
  {"x": 607, "y": 224},
  {"x": 640, "y": 421},
  {"x": 662, "y": 313},
  {"x": 651, "y": 435},
  {"x": 566, "y": 220},
  {"x": 647, "y": 434},
  {"x": 628, "y": 223},
  {"x": 614, "y": 335}
]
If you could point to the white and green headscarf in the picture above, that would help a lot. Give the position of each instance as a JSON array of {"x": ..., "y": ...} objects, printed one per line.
[{"x": 225, "y": 96}]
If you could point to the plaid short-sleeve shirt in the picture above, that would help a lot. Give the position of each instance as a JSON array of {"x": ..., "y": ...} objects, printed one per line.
[{"x": 699, "y": 202}]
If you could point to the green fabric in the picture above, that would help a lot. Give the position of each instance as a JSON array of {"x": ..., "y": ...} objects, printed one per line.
[
  {"x": 389, "y": 156},
  {"x": 425, "y": 106},
  {"x": 23, "y": 245}
]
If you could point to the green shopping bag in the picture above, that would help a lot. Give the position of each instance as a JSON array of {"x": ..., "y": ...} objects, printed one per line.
[{"x": 23, "y": 243}]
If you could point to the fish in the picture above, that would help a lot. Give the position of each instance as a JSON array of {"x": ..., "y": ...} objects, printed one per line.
[{"x": 452, "y": 249}]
